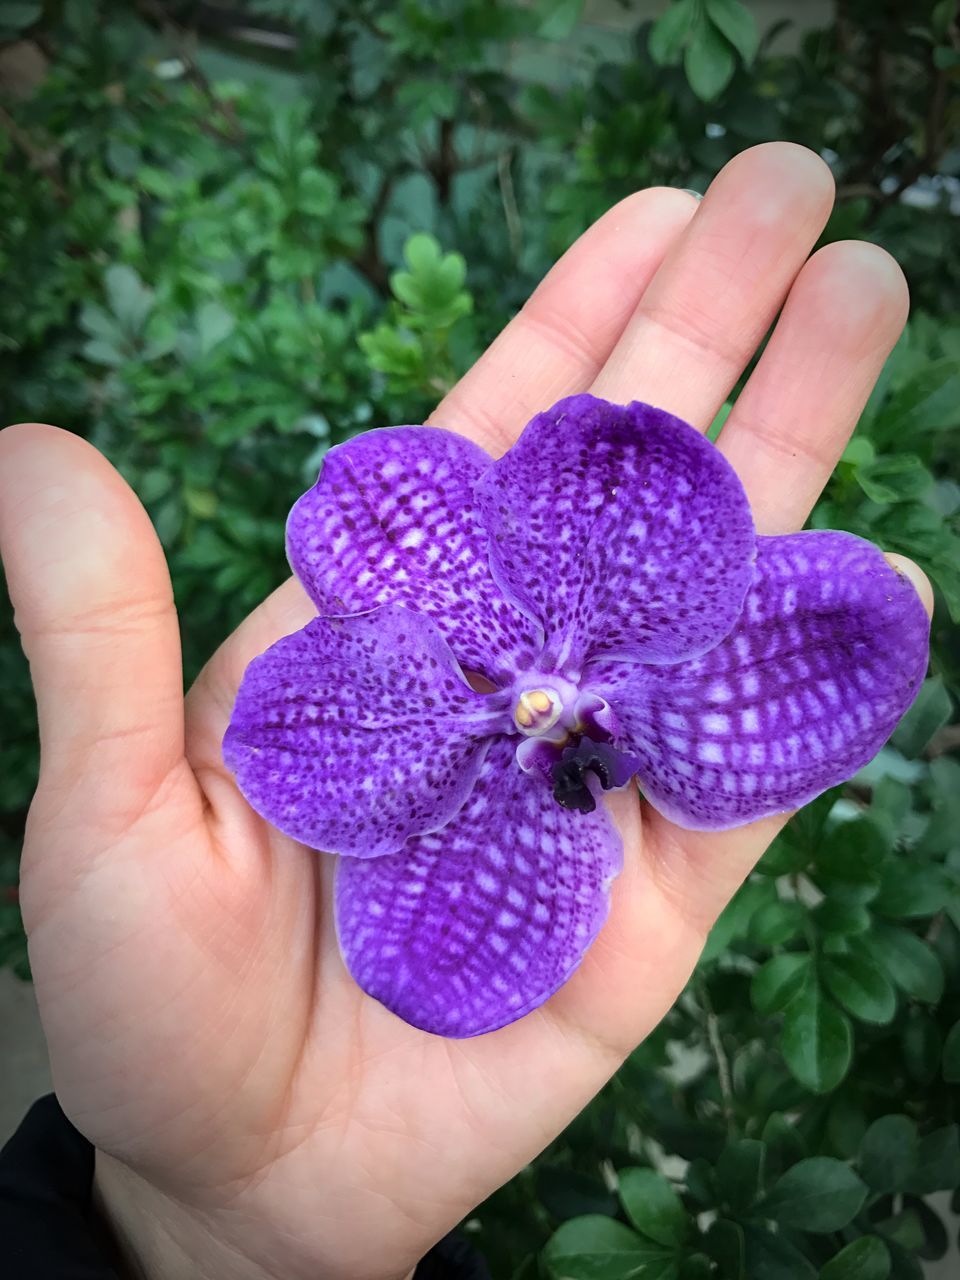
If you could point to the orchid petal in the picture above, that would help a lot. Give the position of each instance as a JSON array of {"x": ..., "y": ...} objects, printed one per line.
[
  {"x": 470, "y": 928},
  {"x": 829, "y": 653},
  {"x": 391, "y": 519},
  {"x": 622, "y": 529},
  {"x": 356, "y": 733}
]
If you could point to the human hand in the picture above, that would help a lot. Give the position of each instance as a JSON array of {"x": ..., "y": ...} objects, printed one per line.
[{"x": 255, "y": 1113}]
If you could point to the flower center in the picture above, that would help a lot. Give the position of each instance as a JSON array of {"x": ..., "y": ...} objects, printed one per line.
[
  {"x": 545, "y": 705},
  {"x": 568, "y": 738},
  {"x": 537, "y": 711}
]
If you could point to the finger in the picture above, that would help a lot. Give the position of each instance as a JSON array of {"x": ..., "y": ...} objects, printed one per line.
[
  {"x": 95, "y": 611},
  {"x": 721, "y": 285},
  {"x": 557, "y": 344},
  {"x": 793, "y": 419},
  {"x": 784, "y": 436},
  {"x": 916, "y": 575}
]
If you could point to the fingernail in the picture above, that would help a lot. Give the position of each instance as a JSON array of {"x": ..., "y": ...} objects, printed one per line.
[{"x": 921, "y": 583}]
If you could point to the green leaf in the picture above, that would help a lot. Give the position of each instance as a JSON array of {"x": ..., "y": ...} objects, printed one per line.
[
  {"x": 422, "y": 253},
  {"x": 101, "y": 351},
  {"x": 201, "y": 503},
  {"x": 902, "y": 1229},
  {"x": 910, "y": 962},
  {"x": 927, "y": 401},
  {"x": 851, "y": 850},
  {"x": 738, "y": 24},
  {"x": 778, "y": 922},
  {"x": 859, "y": 985},
  {"x": 891, "y": 802},
  {"x": 846, "y": 1125},
  {"x": 930, "y": 712},
  {"x": 433, "y": 287},
  {"x": 894, "y": 478},
  {"x": 708, "y": 62},
  {"x": 669, "y": 33},
  {"x": 774, "y": 1257},
  {"x": 836, "y": 915},
  {"x": 951, "y": 1055},
  {"x": 818, "y": 1194},
  {"x": 599, "y": 1248},
  {"x": 570, "y": 1193},
  {"x": 654, "y": 1207},
  {"x": 922, "y": 1044},
  {"x": 778, "y": 980},
  {"x": 560, "y": 19},
  {"x": 734, "y": 919},
  {"x": 214, "y": 324},
  {"x": 801, "y": 839},
  {"x": 426, "y": 99},
  {"x": 392, "y": 352},
  {"x": 938, "y": 1162},
  {"x": 888, "y": 1153},
  {"x": 908, "y": 890},
  {"x": 859, "y": 451},
  {"x": 865, "y": 1259},
  {"x": 816, "y": 1040},
  {"x": 784, "y": 1144},
  {"x": 130, "y": 299},
  {"x": 740, "y": 1172},
  {"x": 16, "y": 15},
  {"x": 696, "y": 1266},
  {"x": 725, "y": 1243}
]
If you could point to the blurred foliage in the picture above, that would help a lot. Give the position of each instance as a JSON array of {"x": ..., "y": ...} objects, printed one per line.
[{"x": 233, "y": 237}]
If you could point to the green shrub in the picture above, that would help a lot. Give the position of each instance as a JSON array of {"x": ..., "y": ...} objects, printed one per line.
[{"x": 220, "y": 261}]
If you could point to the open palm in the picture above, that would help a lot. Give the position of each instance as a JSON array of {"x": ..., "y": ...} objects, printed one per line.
[{"x": 254, "y": 1112}]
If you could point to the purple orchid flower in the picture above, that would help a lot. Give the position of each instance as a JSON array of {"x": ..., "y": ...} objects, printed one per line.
[{"x": 501, "y": 641}]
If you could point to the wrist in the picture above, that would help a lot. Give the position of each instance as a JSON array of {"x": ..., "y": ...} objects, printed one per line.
[{"x": 157, "y": 1237}]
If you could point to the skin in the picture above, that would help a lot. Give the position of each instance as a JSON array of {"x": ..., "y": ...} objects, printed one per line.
[{"x": 254, "y": 1113}]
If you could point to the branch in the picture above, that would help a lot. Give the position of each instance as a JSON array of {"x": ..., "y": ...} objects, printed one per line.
[
  {"x": 508, "y": 197},
  {"x": 719, "y": 1056},
  {"x": 154, "y": 11},
  {"x": 368, "y": 262},
  {"x": 443, "y": 166}
]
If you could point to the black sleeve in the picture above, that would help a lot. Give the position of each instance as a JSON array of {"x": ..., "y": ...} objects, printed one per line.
[{"x": 50, "y": 1231}]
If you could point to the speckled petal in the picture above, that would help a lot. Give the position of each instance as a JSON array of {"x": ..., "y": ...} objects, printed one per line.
[
  {"x": 356, "y": 733},
  {"x": 470, "y": 928},
  {"x": 391, "y": 518},
  {"x": 622, "y": 529},
  {"x": 828, "y": 655}
]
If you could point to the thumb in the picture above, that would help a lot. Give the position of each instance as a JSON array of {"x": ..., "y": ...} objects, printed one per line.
[{"x": 95, "y": 611}]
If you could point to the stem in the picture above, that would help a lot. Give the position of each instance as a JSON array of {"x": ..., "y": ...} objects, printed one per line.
[
  {"x": 509, "y": 198},
  {"x": 154, "y": 10},
  {"x": 445, "y": 162},
  {"x": 368, "y": 262},
  {"x": 719, "y": 1056}
]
